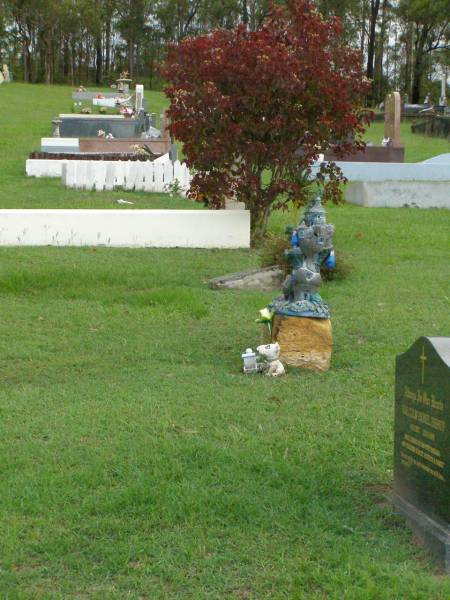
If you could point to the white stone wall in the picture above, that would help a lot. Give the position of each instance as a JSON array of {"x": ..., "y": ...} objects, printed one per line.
[
  {"x": 374, "y": 171},
  {"x": 43, "y": 168},
  {"x": 125, "y": 228},
  {"x": 396, "y": 194}
]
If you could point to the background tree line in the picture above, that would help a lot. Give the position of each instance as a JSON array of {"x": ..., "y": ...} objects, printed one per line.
[{"x": 404, "y": 44}]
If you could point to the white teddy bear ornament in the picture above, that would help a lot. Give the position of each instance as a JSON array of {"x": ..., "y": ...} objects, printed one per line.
[{"x": 271, "y": 353}]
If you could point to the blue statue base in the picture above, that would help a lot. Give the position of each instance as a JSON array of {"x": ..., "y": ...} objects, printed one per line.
[{"x": 315, "y": 308}]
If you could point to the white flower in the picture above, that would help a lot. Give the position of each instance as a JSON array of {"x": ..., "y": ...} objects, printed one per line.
[{"x": 266, "y": 314}]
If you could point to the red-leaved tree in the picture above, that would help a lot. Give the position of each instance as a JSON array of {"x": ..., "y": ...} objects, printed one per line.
[{"x": 255, "y": 109}]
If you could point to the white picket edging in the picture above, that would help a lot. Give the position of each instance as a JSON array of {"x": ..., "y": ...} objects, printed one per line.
[
  {"x": 125, "y": 228},
  {"x": 103, "y": 175}
]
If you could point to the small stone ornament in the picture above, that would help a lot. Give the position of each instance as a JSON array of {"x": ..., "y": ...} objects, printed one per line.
[
  {"x": 311, "y": 246},
  {"x": 250, "y": 364},
  {"x": 271, "y": 355},
  {"x": 56, "y": 131}
]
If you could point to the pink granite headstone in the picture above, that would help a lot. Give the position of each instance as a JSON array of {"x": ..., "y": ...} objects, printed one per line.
[{"x": 392, "y": 112}]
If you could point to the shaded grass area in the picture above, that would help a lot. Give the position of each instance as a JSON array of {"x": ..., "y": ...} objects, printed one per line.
[
  {"x": 30, "y": 110},
  {"x": 138, "y": 462}
]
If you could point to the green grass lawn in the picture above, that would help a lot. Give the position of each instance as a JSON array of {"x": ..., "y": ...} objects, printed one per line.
[
  {"x": 28, "y": 119},
  {"x": 30, "y": 110},
  {"x": 138, "y": 462}
]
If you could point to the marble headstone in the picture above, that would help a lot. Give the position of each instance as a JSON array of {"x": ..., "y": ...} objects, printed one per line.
[{"x": 139, "y": 97}]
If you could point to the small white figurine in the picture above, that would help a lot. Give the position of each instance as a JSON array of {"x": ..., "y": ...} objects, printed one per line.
[{"x": 271, "y": 353}]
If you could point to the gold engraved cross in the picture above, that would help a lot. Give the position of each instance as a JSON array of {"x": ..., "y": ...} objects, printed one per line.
[{"x": 422, "y": 359}]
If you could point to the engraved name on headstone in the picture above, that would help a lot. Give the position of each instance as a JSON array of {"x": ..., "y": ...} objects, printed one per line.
[
  {"x": 392, "y": 113},
  {"x": 422, "y": 442}
]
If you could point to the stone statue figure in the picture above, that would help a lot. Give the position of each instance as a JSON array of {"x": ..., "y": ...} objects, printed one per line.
[{"x": 311, "y": 246}]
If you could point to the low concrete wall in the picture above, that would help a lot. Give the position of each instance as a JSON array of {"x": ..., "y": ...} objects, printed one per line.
[
  {"x": 375, "y": 171},
  {"x": 44, "y": 168},
  {"x": 126, "y": 228},
  {"x": 396, "y": 194}
]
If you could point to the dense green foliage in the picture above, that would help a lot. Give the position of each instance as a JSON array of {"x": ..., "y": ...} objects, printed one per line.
[
  {"x": 85, "y": 41},
  {"x": 255, "y": 109}
]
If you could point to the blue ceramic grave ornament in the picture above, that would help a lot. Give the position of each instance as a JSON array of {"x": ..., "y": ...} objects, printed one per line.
[{"x": 311, "y": 246}]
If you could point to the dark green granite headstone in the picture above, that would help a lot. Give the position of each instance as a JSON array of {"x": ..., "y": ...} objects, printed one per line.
[{"x": 422, "y": 442}]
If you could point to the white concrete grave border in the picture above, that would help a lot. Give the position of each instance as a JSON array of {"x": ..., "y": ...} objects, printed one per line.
[
  {"x": 396, "y": 185},
  {"x": 100, "y": 175},
  {"x": 380, "y": 171},
  {"x": 125, "y": 228}
]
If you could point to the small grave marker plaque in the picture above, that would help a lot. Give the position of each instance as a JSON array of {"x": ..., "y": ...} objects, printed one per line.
[{"x": 422, "y": 442}]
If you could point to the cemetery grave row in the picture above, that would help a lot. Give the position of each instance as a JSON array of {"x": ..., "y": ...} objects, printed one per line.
[
  {"x": 99, "y": 152},
  {"x": 107, "y": 152}
]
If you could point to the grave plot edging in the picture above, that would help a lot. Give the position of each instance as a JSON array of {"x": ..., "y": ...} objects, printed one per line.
[{"x": 125, "y": 228}]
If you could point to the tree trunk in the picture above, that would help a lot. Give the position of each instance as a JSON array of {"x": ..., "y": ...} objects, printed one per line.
[
  {"x": 377, "y": 91},
  {"x": 98, "y": 61},
  {"x": 407, "y": 58},
  {"x": 374, "y": 8},
  {"x": 259, "y": 217},
  {"x": 108, "y": 47},
  {"x": 418, "y": 63},
  {"x": 66, "y": 60},
  {"x": 245, "y": 18},
  {"x": 26, "y": 63},
  {"x": 72, "y": 62},
  {"x": 362, "y": 41}
]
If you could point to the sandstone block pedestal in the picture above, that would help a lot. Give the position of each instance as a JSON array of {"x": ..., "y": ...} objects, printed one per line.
[{"x": 304, "y": 342}]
